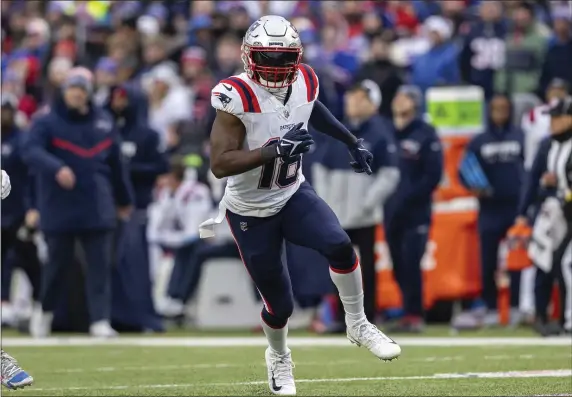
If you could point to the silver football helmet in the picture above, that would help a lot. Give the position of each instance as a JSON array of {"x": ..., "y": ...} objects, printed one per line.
[{"x": 271, "y": 52}]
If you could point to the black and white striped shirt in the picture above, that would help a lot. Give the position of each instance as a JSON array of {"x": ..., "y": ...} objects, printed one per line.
[{"x": 559, "y": 163}]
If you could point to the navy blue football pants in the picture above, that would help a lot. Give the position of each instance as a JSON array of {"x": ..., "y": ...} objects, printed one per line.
[{"x": 306, "y": 220}]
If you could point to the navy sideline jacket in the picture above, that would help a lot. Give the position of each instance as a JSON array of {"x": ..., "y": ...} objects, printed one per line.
[
  {"x": 499, "y": 152},
  {"x": 357, "y": 199},
  {"x": 421, "y": 168},
  {"x": 140, "y": 147},
  {"x": 88, "y": 145}
]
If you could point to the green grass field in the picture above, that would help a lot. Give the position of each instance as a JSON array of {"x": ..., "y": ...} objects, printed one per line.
[{"x": 219, "y": 364}]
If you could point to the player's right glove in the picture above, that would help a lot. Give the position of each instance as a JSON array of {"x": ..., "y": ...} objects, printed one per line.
[{"x": 294, "y": 142}]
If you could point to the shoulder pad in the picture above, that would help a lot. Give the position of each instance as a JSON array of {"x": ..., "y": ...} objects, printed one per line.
[
  {"x": 311, "y": 82},
  {"x": 234, "y": 95}
]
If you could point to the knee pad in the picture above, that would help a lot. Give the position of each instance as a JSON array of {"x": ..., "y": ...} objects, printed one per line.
[
  {"x": 342, "y": 256},
  {"x": 277, "y": 316}
]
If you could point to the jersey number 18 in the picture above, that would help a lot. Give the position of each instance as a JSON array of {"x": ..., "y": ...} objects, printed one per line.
[{"x": 287, "y": 170}]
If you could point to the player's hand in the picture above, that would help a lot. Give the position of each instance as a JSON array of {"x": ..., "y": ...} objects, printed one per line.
[
  {"x": 32, "y": 219},
  {"x": 362, "y": 158},
  {"x": 6, "y": 186},
  {"x": 521, "y": 221},
  {"x": 294, "y": 142},
  {"x": 124, "y": 213},
  {"x": 66, "y": 178},
  {"x": 548, "y": 179}
]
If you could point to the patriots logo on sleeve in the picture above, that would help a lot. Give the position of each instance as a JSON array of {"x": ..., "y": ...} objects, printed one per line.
[{"x": 224, "y": 99}]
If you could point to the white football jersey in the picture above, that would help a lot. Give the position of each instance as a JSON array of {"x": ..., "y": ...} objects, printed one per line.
[{"x": 263, "y": 191}]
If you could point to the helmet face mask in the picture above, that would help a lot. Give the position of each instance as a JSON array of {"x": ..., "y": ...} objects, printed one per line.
[{"x": 271, "y": 52}]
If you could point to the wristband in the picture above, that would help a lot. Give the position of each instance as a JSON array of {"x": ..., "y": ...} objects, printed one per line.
[{"x": 269, "y": 152}]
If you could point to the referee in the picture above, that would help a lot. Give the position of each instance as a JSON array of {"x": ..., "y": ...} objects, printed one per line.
[{"x": 560, "y": 164}]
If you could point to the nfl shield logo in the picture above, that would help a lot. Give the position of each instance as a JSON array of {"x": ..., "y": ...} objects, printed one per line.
[
  {"x": 243, "y": 226},
  {"x": 286, "y": 113}
]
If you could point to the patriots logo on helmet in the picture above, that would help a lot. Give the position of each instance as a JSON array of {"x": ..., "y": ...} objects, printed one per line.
[{"x": 224, "y": 99}]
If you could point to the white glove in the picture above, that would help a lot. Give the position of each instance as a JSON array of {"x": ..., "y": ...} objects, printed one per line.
[{"x": 6, "y": 187}]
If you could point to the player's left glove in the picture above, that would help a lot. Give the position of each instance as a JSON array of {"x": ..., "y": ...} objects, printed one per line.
[
  {"x": 295, "y": 142},
  {"x": 362, "y": 158},
  {"x": 6, "y": 186}
]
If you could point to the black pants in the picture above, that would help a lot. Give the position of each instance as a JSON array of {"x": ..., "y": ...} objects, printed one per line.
[
  {"x": 407, "y": 247},
  {"x": 364, "y": 239},
  {"x": 490, "y": 239},
  {"x": 545, "y": 281},
  {"x": 25, "y": 256},
  {"x": 188, "y": 266},
  {"x": 96, "y": 247},
  {"x": 306, "y": 220}
]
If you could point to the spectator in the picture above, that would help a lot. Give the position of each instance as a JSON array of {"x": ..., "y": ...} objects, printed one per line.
[
  {"x": 364, "y": 196},
  {"x": 228, "y": 57},
  {"x": 526, "y": 44},
  {"x": 105, "y": 78},
  {"x": 37, "y": 38},
  {"x": 561, "y": 19},
  {"x": 456, "y": 12},
  {"x": 499, "y": 152},
  {"x": 155, "y": 52},
  {"x": 80, "y": 179},
  {"x": 383, "y": 72},
  {"x": 170, "y": 103},
  {"x": 57, "y": 70},
  {"x": 404, "y": 17},
  {"x": 198, "y": 79},
  {"x": 239, "y": 21},
  {"x": 439, "y": 65},
  {"x": 201, "y": 34},
  {"x": 558, "y": 58},
  {"x": 484, "y": 48},
  {"x": 14, "y": 209},
  {"x": 408, "y": 211}
]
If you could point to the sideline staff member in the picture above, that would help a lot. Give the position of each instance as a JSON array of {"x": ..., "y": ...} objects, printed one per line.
[{"x": 82, "y": 189}]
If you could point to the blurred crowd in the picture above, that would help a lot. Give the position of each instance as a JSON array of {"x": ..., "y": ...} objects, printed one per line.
[{"x": 154, "y": 64}]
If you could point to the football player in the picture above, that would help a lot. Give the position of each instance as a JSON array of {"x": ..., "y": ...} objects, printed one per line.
[
  {"x": 257, "y": 141},
  {"x": 11, "y": 374}
]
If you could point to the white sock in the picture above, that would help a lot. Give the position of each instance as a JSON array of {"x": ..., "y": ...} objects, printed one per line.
[
  {"x": 350, "y": 288},
  {"x": 276, "y": 337}
]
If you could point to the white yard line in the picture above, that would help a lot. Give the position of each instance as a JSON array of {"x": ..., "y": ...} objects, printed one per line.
[
  {"x": 481, "y": 375},
  {"x": 261, "y": 341},
  {"x": 180, "y": 367}
]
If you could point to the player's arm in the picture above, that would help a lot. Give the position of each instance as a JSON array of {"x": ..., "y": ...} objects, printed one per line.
[
  {"x": 227, "y": 156},
  {"x": 325, "y": 122}
]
